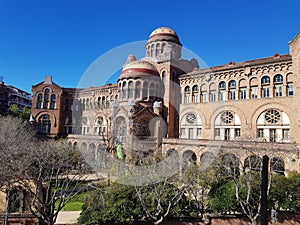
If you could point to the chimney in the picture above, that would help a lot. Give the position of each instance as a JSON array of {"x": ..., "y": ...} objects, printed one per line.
[{"x": 48, "y": 80}]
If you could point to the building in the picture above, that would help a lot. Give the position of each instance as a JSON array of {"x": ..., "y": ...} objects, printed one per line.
[
  {"x": 10, "y": 95},
  {"x": 169, "y": 104}
]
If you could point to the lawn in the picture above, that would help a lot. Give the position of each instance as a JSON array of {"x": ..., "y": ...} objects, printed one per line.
[{"x": 75, "y": 204}]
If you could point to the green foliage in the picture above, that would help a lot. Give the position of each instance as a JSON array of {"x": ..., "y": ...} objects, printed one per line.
[
  {"x": 285, "y": 192},
  {"x": 222, "y": 198},
  {"x": 24, "y": 114},
  {"x": 116, "y": 204}
]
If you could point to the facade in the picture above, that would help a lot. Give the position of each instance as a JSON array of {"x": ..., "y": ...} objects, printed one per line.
[
  {"x": 10, "y": 95},
  {"x": 169, "y": 104}
]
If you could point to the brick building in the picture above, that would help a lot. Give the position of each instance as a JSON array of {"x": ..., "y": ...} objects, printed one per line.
[{"x": 169, "y": 104}]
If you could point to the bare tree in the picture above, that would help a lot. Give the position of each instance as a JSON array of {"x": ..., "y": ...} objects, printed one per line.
[{"x": 46, "y": 170}]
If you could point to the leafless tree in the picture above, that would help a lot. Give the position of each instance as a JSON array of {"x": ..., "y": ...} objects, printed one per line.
[{"x": 46, "y": 170}]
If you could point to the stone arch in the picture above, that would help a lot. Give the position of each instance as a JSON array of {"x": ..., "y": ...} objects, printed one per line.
[
  {"x": 253, "y": 162},
  {"x": 253, "y": 81},
  {"x": 190, "y": 126},
  {"x": 242, "y": 83},
  {"x": 189, "y": 157},
  {"x": 260, "y": 110},
  {"x": 195, "y": 111},
  {"x": 206, "y": 159},
  {"x": 237, "y": 111},
  {"x": 277, "y": 165}
]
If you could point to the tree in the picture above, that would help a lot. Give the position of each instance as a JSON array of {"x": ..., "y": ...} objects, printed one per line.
[
  {"x": 285, "y": 193},
  {"x": 44, "y": 169},
  {"x": 198, "y": 182},
  {"x": 116, "y": 204}
]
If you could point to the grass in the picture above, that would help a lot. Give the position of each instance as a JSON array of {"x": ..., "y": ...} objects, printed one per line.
[{"x": 75, "y": 204}]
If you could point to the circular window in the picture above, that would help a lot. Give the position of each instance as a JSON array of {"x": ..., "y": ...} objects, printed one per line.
[
  {"x": 100, "y": 121},
  {"x": 191, "y": 118},
  {"x": 272, "y": 116},
  {"x": 227, "y": 117}
]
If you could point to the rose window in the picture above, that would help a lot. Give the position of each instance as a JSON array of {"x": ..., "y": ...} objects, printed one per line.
[
  {"x": 227, "y": 117},
  {"x": 272, "y": 116},
  {"x": 191, "y": 118}
]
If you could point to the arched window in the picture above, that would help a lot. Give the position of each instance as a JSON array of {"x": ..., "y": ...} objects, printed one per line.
[
  {"x": 152, "y": 90},
  {"x": 137, "y": 90},
  {"x": 44, "y": 125},
  {"x": 103, "y": 102},
  {"x": 191, "y": 126},
  {"x": 227, "y": 126},
  {"x": 124, "y": 90},
  {"x": 265, "y": 80},
  {"x": 46, "y": 98},
  {"x": 100, "y": 126},
  {"x": 187, "y": 94},
  {"x": 53, "y": 101},
  {"x": 130, "y": 91},
  {"x": 163, "y": 77},
  {"x": 39, "y": 101},
  {"x": 232, "y": 84},
  {"x": 278, "y": 78},
  {"x": 195, "y": 93},
  {"x": 273, "y": 125},
  {"x": 222, "y": 85},
  {"x": 278, "y": 87},
  {"x": 145, "y": 90}
]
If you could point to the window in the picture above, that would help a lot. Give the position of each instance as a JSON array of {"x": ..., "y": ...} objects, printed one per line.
[
  {"x": 53, "y": 101},
  {"x": 227, "y": 117},
  {"x": 182, "y": 132},
  {"x": 138, "y": 89},
  {"x": 152, "y": 90},
  {"x": 44, "y": 125},
  {"x": 222, "y": 95},
  {"x": 199, "y": 131},
  {"x": 243, "y": 93},
  {"x": 163, "y": 77},
  {"x": 278, "y": 78},
  {"x": 222, "y": 85},
  {"x": 204, "y": 96},
  {"x": 232, "y": 84},
  {"x": 14, "y": 203},
  {"x": 286, "y": 134},
  {"x": 278, "y": 90},
  {"x": 46, "y": 99},
  {"x": 124, "y": 90},
  {"x": 217, "y": 132},
  {"x": 272, "y": 135},
  {"x": 232, "y": 95},
  {"x": 266, "y": 92},
  {"x": 290, "y": 89},
  {"x": 237, "y": 132},
  {"x": 195, "y": 91},
  {"x": 260, "y": 133},
  {"x": 187, "y": 89},
  {"x": 272, "y": 116},
  {"x": 187, "y": 98},
  {"x": 39, "y": 101},
  {"x": 213, "y": 96},
  {"x": 130, "y": 91},
  {"x": 145, "y": 90},
  {"x": 254, "y": 92},
  {"x": 265, "y": 80}
]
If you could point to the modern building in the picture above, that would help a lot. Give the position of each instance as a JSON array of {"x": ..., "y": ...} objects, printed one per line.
[
  {"x": 10, "y": 95},
  {"x": 166, "y": 103}
]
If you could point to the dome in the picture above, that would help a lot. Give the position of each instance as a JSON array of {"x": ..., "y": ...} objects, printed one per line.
[
  {"x": 164, "y": 34},
  {"x": 137, "y": 69}
]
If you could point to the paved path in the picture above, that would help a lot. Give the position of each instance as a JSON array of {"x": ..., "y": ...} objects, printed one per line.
[{"x": 67, "y": 217}]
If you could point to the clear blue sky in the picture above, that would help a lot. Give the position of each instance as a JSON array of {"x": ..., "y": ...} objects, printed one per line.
[{"x": 63, "y": 37}]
